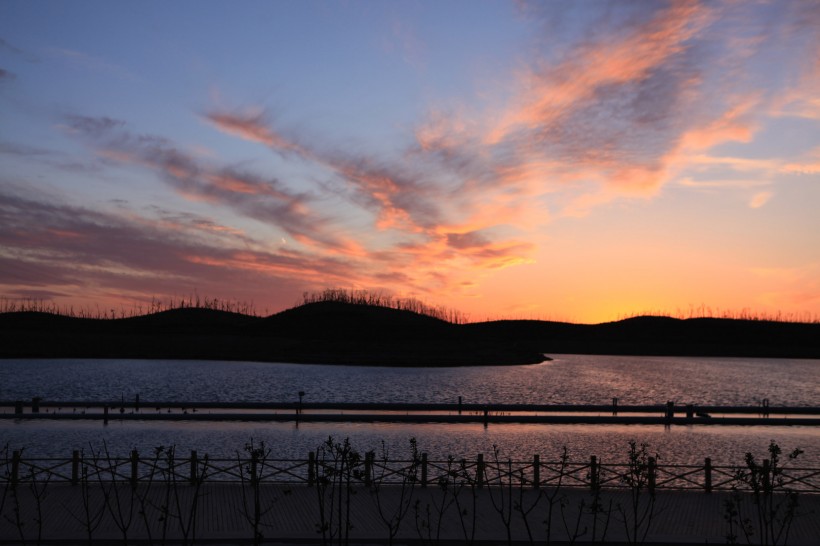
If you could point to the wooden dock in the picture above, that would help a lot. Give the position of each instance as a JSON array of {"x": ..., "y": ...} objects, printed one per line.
[
  {"x": 289, "y": 514},
  {"x": 656, "y": 414}
]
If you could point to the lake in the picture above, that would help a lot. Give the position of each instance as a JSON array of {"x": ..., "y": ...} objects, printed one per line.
[{"x": 568, "y": 379}]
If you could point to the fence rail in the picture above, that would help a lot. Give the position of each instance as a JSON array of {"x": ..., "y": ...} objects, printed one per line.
[{"x": 165, "y": 466}]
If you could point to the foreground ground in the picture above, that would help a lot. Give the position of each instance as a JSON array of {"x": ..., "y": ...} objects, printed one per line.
[{"x": 225, "y": 514}]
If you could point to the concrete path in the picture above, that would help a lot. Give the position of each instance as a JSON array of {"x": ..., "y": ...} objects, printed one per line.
[{"x": 226, "y": 513}]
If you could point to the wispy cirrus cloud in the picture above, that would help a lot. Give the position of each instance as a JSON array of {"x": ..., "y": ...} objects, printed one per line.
[
  {"x": 759, "y": 199},
  {"x": 266, "y": 199},
  {"x": 254, "y": 125},
  {"x": 72, "y": 249},
  {"x": 92, "y": 63},
  {"x": 609, "y": 110},
  {"x": 402, "y": 207},
  {"x": 6, "y": 47},
  {"x": 620, "y": 111},
  {"x": 403, "y": 198},
  {"x": 395, "y": 197}
]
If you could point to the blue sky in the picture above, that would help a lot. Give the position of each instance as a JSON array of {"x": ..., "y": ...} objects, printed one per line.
[{"x": 568, "y": 160}]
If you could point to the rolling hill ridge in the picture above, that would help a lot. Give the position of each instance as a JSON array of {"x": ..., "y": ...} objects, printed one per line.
[{"x": 345, "y": 333}]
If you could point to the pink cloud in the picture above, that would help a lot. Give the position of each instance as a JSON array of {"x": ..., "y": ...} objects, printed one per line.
[
  {"x": 72, "y": 251},
  {"x": 252, "y": 126},
  {"x": 404, "y": 200},
  {"x": 550, "y": 92},
  {"x": 618, "y": 113},
  {"x": 759, "y": 199},
  {"x": 264, "y": 199}
]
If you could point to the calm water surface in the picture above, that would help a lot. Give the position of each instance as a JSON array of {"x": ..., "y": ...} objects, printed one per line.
[{"x": 567, "y": 379}]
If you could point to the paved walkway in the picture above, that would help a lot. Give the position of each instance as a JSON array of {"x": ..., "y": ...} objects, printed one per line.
[{"x": 225, "y": 514}]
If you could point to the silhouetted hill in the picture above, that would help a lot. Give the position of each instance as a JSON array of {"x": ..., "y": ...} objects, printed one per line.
[
  {"x": 345, "y": 333},
  {"x": 323, "y": 332},
  {"x": 663, "y": 336},
  {"x": 335, "y": 320}
]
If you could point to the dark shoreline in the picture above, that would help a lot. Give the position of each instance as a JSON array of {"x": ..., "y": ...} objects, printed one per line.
[{"x": 336, "y": 333}]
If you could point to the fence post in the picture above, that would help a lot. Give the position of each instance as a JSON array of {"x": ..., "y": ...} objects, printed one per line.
[
  {"x": 536, "y": 471},
  {"x": 254, "y": 462},
  {"x": 653, "y": 468},
  {"x": 424, "y": 469},
  {"x": 75, "y": 467},
  {"x": 15, "y": 468},
  {"x": 368, "y": 467},
  {"x": 194, "y": 467},
  {"x": 479, "y": 471},
  {"x": 311, "y": 469},
  {"x": 135, "y": 458},
  {"x": 707, "y": 468},
  {"x": 593, "y": 472}
]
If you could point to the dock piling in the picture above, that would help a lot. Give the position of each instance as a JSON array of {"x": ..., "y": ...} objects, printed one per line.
[
  {"x": 18, "y": 407},
  {"x": 35, "y": 404}
]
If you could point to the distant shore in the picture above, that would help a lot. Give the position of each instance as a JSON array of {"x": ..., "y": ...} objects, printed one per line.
[{"x": 340, "y": 333}]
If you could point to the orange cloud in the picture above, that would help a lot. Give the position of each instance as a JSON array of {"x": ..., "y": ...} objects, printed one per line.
[
  {"x": 551, "y": 91},
  {"x": 810, "y": 164},
  {"x": 251, "y": 126},
  {"x": 736, "y": 124},
  {"x": 617, "y": 114},
  {"x": 759, "y": 199}
]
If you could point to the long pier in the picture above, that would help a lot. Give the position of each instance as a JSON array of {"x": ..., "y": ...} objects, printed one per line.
[{"x": 660, "y": 414}]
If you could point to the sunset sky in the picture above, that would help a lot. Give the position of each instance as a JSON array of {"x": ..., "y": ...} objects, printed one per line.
[{"x": 578, "y": 161}]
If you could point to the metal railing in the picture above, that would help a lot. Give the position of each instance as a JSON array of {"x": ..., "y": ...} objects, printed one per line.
[{"x": 167, "y": 467}]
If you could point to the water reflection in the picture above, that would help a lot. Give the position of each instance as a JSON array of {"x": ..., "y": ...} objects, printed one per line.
[
  {"x": 569, "y": 379},
  {"x": 677, "y": 444}
]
